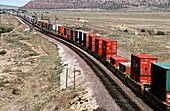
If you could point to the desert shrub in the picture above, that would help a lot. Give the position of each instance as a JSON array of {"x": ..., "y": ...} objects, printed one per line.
[
  {"x": 142, "y": 30},
  {"x": 151, "y": 32},
  {"x": 125, "y": 30},
  {"x": 56, "y": 107},
  {"x": 2, "y": 52},
  {"x": 36, "y": 95},
  {"x": 15, "y": 91},
  {"x": 34, "y": 54},
  {"x": 160, "y": 33},
  {"x": 75, "y": 96}
]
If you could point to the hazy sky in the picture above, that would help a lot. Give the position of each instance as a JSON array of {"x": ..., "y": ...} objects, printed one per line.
[{"x": 14, "y": 2}]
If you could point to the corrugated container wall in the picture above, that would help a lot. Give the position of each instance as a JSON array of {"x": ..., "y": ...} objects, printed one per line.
[
  {"x": 141, "y": 67},
  {"x": 106, "y": 56},
  {"x": 98, "y": 45},
  {"x": 109, "y": 46},
  {"x": 160, "y": 83},
  {"x": 92, "y": 42},
  {"x": 61, "y": 30},
  {"x": 72, "y": 35},
  {"x": 86, "y": 39}
]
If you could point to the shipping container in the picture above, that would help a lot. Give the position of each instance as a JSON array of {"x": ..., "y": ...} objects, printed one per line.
[
  {"x": 106, "y": 56},
  {"x": 141, "y": 67},
  {"x": 109, "y": 46},
  {"x": 49, "y": 26},
  {"x": 57, "y": 28},
  {"x": 77, "y": 36},
  {"x": 72, "y": 35},
  {"x": 45, "y": 25},
  {"x": 54, "y": 27},
  {"x": 92, "y": 42},
  {"x": 98, "y": 45},
  {"x": 61, "y": 30},
  {"x": 125, "y": 67},
  {"x": 160, "y": 83},
  {"x": 116, "y": 59},
  {"x": 81, "y": 37},
  {"x": 40, "y": 23},
  {"x": 86, "y": 39}
]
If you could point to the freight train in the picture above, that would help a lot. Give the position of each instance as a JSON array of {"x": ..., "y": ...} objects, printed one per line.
[{"x": 137, "y": 74}]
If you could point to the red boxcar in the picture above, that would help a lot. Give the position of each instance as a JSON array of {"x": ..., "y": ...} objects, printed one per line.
[
  {"x": 98, "y": 45},
  {"x": 92, "y": 42},
  {"x": 109, "y": 46},
  {"x": 86, "y": 39},
  {"x": 116, "y": 59},
  {"x": 141, "y": 67},
  {"x": 106, "y": 56},
  {"x": 61, "y": 30}
]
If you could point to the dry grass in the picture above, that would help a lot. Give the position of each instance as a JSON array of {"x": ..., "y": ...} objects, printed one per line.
[{"x": 151, "y": 22}]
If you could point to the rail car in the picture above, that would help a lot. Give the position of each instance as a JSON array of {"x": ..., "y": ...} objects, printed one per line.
[{"x": 136, "y": 74}]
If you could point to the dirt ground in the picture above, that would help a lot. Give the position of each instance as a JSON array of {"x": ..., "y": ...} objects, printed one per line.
[
  {"x": 32, "y": 76},
  {"x": 30, "y": 72},
  {"x": 134, "y": 21}
]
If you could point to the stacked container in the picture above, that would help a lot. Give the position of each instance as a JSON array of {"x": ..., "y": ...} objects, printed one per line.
[
  {"x": 53, "y": 27},
  {"x": 40, "y": 23},
  {"x": 72, "y": 35},
  {"x": 125, "y": 67},
  {"x": 81, "y": 37},
  {"x": 109, "y": 49},
  {"x": 61, "y": 30},
  {"x": 45, "y": 25},
  {"x": 49, "y": 26},
  {"x": 98, "y": 45},
  {"x": 92, "y": 42},
  {"x": 86, "y": 39},
  {"x": 65, "y": 32},
  {"x": 77, "y": 36},
  {"x": 115, "y": 60},
  {"x": 160, "y": 83},
  {"x": 141, "y": 67},
  {"x": 57, "y": 28}
]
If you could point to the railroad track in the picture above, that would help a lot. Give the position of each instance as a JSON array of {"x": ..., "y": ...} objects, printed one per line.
[{"x": 115, "y": 91}]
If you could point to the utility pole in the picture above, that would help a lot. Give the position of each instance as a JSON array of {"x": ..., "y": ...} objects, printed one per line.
[
  {"x": 55, "y": 19},
  {"x": 66, "y": 77},
  {"x": 85, "y": 26},
  {"x": 42, "y": 16},
  {"x": 74, "y": 78}
]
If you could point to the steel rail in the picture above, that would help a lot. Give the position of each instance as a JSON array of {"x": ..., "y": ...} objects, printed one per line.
[{"x": 115, "y": 91}]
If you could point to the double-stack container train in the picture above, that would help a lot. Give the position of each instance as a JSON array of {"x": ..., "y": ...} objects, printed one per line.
[{"x": 143, "y": 74}]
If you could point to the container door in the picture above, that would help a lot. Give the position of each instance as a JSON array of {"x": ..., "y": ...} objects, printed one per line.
[
  {"x": 168, "y": 80},
  {"x": 145, "y": 67}
]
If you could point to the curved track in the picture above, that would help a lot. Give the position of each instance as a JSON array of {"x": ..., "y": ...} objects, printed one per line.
[{"x": 115, "y": 91}]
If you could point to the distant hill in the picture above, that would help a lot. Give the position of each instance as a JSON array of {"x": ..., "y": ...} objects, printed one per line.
[
  {"x": 102, "y": 4},
  {"x": 8, "y": 7}
]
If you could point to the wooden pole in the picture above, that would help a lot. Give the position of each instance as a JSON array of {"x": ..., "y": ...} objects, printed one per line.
[
  {"x": 66, "y": 76},
  {"x": 74, "y": 78},
  {"x": 55, "y": 19}
]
